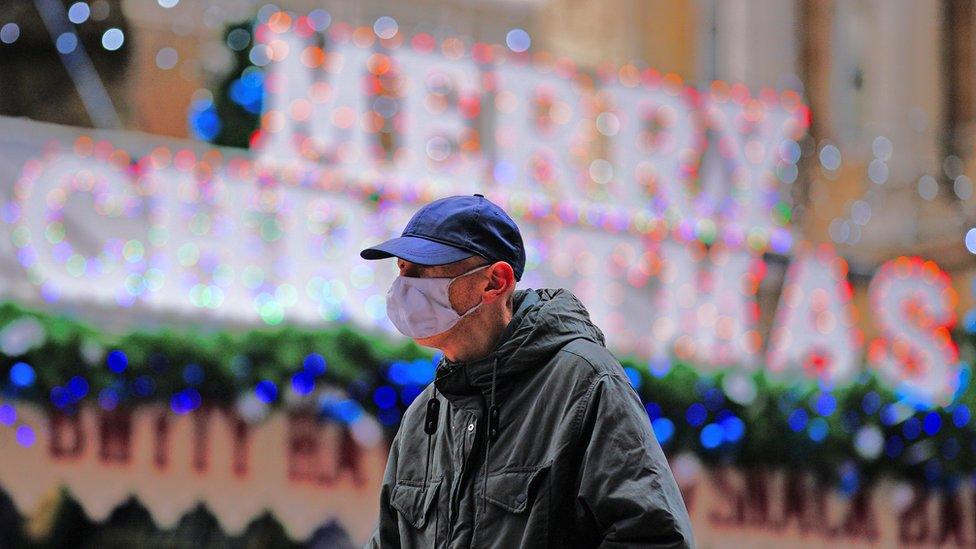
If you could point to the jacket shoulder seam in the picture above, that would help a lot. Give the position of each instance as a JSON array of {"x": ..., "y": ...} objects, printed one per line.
[
  {"x": 588, "y": 361},
  {"x": 599, "y": 367},
  {"x": 585, "y": 402}
]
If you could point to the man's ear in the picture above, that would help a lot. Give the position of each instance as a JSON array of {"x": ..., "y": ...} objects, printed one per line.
[{"x": 502, "y": 276}]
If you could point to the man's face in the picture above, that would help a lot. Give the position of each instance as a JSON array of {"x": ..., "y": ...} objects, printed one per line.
[{"x": 464, "y": 293}]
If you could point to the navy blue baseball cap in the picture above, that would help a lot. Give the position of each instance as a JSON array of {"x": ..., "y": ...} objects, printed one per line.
[{"x": 454, "y": 228}]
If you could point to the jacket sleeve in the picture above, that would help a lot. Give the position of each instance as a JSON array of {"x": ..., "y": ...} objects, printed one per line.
[
  {"x": 626, "y": 489},
  {"x": 387, "y": 532}
]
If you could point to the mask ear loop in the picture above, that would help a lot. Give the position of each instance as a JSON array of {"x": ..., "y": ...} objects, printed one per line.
[
  {"x": 475, "y": 307},
  {"x": 479, "y": 267}
]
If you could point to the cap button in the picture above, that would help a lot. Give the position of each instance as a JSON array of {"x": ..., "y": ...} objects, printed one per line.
[{"x": 481, "y": 195}]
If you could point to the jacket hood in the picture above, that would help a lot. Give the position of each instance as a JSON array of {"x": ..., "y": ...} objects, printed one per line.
[{"x": 544, "y": 320}]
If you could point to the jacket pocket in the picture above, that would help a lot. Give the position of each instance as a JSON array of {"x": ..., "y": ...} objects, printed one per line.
[
  {"x": 518, "y": 510},
  {"x": 515, "y": 489},
  {"x": 413, "y": 502}
]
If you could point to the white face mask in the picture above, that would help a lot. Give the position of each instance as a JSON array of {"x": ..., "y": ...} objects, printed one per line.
[{"x": 420, "y": 307}]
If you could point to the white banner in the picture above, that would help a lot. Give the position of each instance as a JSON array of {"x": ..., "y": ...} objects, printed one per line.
[{"x": 304, "y": 472}]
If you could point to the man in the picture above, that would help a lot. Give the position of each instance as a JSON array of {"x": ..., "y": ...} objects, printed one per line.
[{"x": 531, "y": 434}]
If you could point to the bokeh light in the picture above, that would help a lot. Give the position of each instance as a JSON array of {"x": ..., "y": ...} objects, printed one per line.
[
  {"x": 117, "y": 361},
  {"x": 663, "y": 429},
  {"x": 518, "y": 40},
  {"x": 22, "y": 375},
  {"x": 8, "y": 415},
  {"x": 266, "y": 390},
  {"x": 26, "y": 435},
  {"x": 9, "y": 33},
  {"x": 166, "y": 58},
  {"x": 78, "y": 12},
  {"x": 303, "y": 382},
  {"x": 112, "y": 39},
  {"x": 66, "y": 42},
  {"x": 385, "y": 27}
]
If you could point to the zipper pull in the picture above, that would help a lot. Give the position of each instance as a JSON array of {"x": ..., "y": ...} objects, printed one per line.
[
  {"x": 430, "y": 421},
  {"x": 493, "y": 422}
]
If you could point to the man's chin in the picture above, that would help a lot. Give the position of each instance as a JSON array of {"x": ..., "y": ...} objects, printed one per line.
[{"x": 433, "y": 341}]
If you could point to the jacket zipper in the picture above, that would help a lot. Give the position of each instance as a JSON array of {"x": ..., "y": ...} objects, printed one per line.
[{"x": 463, "y": 459}]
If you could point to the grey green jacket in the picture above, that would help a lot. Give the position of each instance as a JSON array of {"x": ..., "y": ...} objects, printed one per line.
[{"x": 541, "y": 443}]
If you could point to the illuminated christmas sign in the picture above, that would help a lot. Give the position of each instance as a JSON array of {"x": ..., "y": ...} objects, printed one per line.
[
  {"x": 650, "y": 200},
  {"x": 618, "y": 143}
]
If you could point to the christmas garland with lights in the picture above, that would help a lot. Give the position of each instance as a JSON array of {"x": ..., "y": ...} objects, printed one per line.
[{"x": 852, "y": 435}]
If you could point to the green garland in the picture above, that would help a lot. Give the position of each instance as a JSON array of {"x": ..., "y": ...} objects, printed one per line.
[{"x": 794, "y": 424}]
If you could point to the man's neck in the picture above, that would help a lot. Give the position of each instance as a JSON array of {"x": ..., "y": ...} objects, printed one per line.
[{"x": 476, "y": 341}]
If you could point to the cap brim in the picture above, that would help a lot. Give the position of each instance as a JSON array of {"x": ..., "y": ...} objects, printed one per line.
[{"x": 416, "y": 250}]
